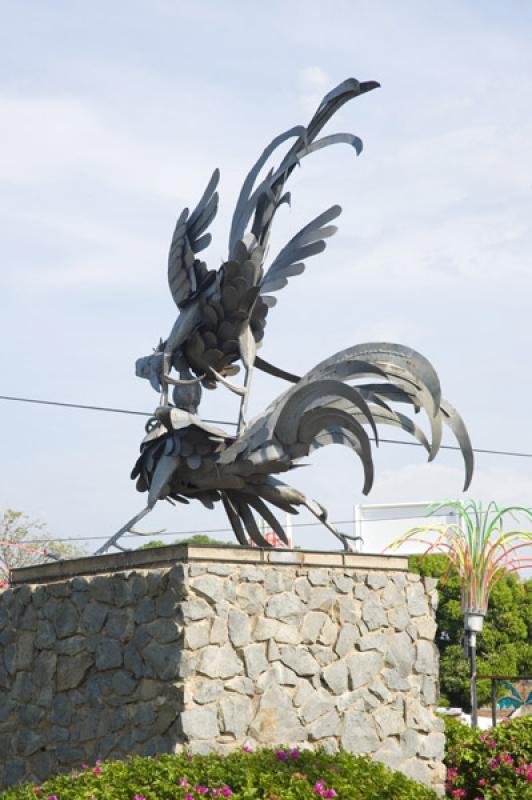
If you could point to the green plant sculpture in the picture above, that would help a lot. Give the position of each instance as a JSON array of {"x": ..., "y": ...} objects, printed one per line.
[{"x": 481, "y": 552}]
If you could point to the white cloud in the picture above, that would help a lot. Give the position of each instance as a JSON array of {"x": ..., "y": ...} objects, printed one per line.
[{"x": 315, "y": 83}]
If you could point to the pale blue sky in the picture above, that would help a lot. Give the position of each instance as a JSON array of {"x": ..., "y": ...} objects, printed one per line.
[{"x": 112, "y": 117}]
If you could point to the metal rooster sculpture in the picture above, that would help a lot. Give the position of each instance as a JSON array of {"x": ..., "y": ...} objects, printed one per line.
[{"x": 221, "y": 322}]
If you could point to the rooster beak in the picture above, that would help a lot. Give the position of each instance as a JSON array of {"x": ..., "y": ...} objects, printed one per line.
[{"x": 367, "y": 86}]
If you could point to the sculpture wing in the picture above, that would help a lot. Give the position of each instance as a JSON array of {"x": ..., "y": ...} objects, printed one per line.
[
  {"x": 186, "y": 273},
  {"x": 309, "y": 241},
  {"x": 262, "y": 201}
]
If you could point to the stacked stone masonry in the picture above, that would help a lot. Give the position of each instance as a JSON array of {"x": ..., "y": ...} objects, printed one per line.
[{"x": 214, "y": 656}]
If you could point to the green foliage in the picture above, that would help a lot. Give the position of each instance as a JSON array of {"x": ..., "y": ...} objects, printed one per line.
[
  {"x": 198, "y": 538},
  {"x": 484, "y": 765},
  {"x": 23, "y": 542},
  {"x": 263, "y": 775},
  {"x": 503, "y": 648}
]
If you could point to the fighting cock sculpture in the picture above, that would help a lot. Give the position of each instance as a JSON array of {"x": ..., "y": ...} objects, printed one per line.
[{"x": 221, "y": 321}]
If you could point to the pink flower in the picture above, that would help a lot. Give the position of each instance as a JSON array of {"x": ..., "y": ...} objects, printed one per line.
[
  {"x": 318, "y": 787},
  {"x": 227, "y": 791},
  {"x": 458, "y": 793},
  {"x": 482, "y": 782},
  {"x": 53, "y": 797},
  {"x": 201, "y": 789},
  {"x": 183, "y": 782},
  {"x": 99, "y": 762},
  {"x": 328, "y": 793},
  {"x": 189, "y": 758},
  {"x": 139, "y": 797},
  {"x": 281, "y": 755},
  {"x": 247, "y": 749},
  {"x": 97, "y": 771},
  {"x": 84, "y": 766},
  {"x": 294, "y": 753},
  {"x": 37, "y": 789},
  {"x": 188, "y": 796}
]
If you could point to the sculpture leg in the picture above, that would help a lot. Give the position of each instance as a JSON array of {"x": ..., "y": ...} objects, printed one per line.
[
  {"x": 244, "y": 403},
  {"x": 166, "y": 372},
  {"x": 124, "y": 529},
  {"x": 320, "y": 513}
]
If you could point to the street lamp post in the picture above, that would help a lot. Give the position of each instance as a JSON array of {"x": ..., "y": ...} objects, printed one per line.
[{"x": 473, "y": 624}]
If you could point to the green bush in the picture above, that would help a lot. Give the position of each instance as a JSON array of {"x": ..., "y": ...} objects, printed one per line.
[
  {"x": 503, "y": 648},
  {"x": 484, "y": 765},
  {"x": 283, "y": 774}
]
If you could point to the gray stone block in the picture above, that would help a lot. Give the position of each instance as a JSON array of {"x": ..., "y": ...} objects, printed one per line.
[
  {"x": 317, "y": 705},
  {"x": 236, "y": 712},
  {"x": 108, "y": 654},
  {"x": 242, "y": 685},
  {"x": 417, "y": 600},
  {"x": 255, "y": 660},
  {"x": 209, "y": 587},
  {"x": 399, "y": 618},
  {"x": 204, "y": 691},
  {"x": 219, "y": 633},
  {"x": 432, "y": 746},
  {"x": 426, "y": 657},
  {"x": 145, "y": 610},
  {"x": 165, "y": 604},
  {"x": 313, "y": 622},
  {"x": 299, "y": 660},
  {"x": 45, "y": 635},
  {"x": 93, "y": 617},
  {"x": 123, "y": 683},
  {"x": 347, "y": 639},
  {"x": 388, "y": 722},
  {"x": 328, "y": 725},
  {"x": 417, "y": 770},
  {"x": 277, "y": 580},
  {"x": 250, "y": 598},
  {"x": 239, "y": 627},
  {"x": 390, "y": 754},
  {"x": 219, "y": 662},
  {"x": 61, "y": 710},
  {"x": 44, "y": 668},
  {"x": 195, "y": 609},
  {"x": 200, "y": 722},
  {"x": 377, "y": 580},
  {"x": 24, "y": 650},
  {"x": 344, "y": 583},
  {"x": 363, "y": 667},
  {"x": 119, "y": 624},
  {"x": 163, "y": 659},
  {"x": 23, "y": 688},
  {"x": 164, "y": 630},
  {"x": 373, "y": 613},
  {"x": 321, "y": 598},
  {"x": 401, "y": 654},
  {"x": 276, "y": 720},
  {"x": 359, "y": 735},
  {"x": 71, "y": 670}
]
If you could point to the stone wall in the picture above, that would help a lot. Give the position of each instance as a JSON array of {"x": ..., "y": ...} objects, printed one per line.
[{"x": 215, "y": 654}]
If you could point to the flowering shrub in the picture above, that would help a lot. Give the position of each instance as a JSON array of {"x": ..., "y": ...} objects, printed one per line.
[
  {"x": 281, "y": 774},
  {"x": 484, "y": 765}
]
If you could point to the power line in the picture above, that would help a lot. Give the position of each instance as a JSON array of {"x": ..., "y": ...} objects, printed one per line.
[
  {"x": 95, "y": 408},
  {"x": 481, "y": 450},
  {"x": 205, "y": 531}
]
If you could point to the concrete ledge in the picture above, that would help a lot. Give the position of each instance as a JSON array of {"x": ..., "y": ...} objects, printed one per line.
[{"x": 171, "y": 554}]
